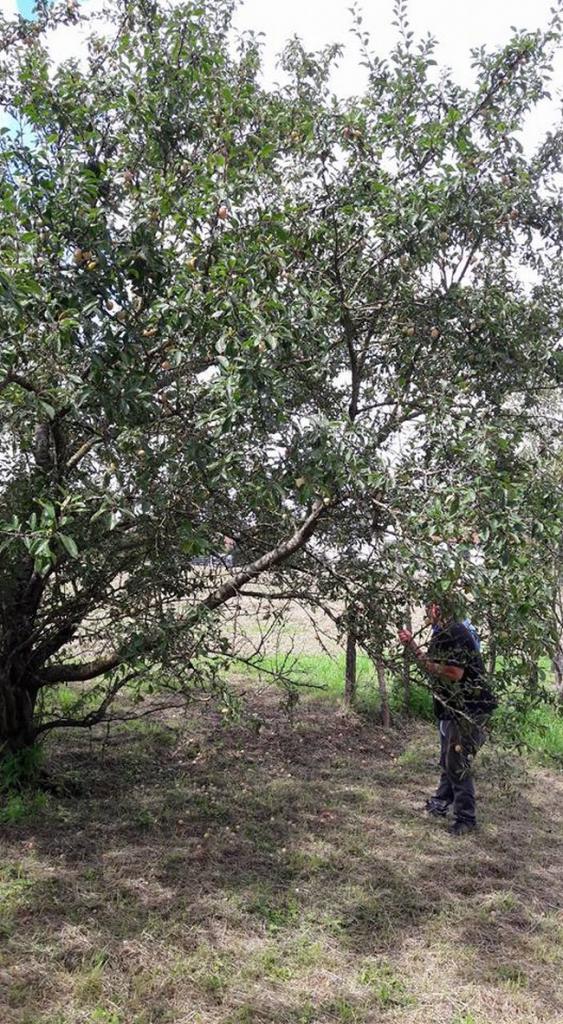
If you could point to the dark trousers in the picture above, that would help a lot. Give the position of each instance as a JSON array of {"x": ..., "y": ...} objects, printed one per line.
[{"x": 459, "y": 742}]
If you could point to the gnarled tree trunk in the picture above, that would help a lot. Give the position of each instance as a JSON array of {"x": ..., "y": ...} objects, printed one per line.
[{"x": 17, "y": 705}]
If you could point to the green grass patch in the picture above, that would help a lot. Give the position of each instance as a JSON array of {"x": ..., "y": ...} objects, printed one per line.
[
  {"x": 275, "y": 911},
  {"x": 320, "y": 671},
  {"x": 512, "y": 974},
  {"x": 384, "y": 984},
  {"x": 324, "y": 674},
  {"x": 18, "y": 807},
  {"x": 540, "y": 731}
]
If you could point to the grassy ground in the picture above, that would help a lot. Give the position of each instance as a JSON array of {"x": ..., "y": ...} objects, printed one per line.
[{"x": 281, "y": 876}]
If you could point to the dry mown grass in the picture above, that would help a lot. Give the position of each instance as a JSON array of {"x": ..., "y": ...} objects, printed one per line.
[{"x": 285, "y": 877}]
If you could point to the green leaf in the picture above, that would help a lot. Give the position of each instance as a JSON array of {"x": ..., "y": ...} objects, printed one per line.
[
  {"x": 69, "y": 544},
  {"x": 48, "y": 409}
]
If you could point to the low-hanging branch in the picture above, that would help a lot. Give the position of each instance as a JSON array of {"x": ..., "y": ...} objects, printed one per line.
[{"x": 84, "y": 671}]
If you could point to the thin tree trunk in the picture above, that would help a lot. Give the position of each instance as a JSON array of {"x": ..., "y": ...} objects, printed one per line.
[
  {"x": 383, "y": 695},
  {"x": 350, "y": 679},
  {"x": 557, "y": 662},
  {"x": 492, "y": 657},
  {"x": 407, "y": 670}
]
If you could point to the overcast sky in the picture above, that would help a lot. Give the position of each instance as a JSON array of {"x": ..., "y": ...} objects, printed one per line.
[{"x": 457, "y": 26}]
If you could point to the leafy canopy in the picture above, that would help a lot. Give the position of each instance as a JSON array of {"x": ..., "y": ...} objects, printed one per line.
[{"x": 311, "y": 324}]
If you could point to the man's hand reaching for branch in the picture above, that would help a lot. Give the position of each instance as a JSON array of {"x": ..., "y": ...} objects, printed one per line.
[{"x": 434, "y": 668}]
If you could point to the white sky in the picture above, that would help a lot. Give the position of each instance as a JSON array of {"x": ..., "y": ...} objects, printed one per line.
[{"x": 458, "y": 26}]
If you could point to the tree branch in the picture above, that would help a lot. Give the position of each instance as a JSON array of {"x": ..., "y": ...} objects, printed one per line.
[
  {"x": 80, "y": 672},
  {"x": 15, "y": 378},
  {"x": 81, "y": 452},
  {"x": 267, "y": 561}
]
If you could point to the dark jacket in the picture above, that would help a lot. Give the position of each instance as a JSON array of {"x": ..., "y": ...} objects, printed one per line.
[{"x": 453, "y": 644}]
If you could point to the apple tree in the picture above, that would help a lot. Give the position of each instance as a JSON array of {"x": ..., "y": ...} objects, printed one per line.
[{"x": 267, "y": 314}]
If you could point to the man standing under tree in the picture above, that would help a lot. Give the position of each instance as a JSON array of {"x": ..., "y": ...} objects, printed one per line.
[{"x": 462, "y": 703}]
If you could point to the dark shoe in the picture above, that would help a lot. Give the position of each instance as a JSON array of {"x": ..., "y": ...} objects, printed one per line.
[
  {"x": 460, "y": 828},
  {"x": 437, "y": 808}
]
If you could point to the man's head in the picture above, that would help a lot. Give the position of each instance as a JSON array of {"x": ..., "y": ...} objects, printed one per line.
[
  {"x": 433, "y": 613},
  {"x": 443, "y": 607}
]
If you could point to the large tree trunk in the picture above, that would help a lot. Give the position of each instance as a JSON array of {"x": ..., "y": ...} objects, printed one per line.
[
  {"x": 18, "y": 684},
  {"x": 17, "y": 705}
]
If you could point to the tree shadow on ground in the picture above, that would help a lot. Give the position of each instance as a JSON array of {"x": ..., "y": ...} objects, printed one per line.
[{"x": 315, "y": 827}]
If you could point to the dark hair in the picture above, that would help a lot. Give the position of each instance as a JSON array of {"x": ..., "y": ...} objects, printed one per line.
[{"x": 451, "y": 603}]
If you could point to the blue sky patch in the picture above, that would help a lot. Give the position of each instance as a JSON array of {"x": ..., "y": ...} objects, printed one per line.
[{"x": 25, "y": 7}]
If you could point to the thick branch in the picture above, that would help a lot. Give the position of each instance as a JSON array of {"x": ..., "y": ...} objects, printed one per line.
[
  {"x": 16, "y": 378},
  {"x": 93, "y": 717},
  {"x": 84, "y": 671},
  {"x": 271, "y": 558},
  {"x": 80, "y": 672}
]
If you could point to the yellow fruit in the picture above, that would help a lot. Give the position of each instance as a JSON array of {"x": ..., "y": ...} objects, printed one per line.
[
  {"x": 92, "y": 265},
  {"x": 191, "y": 263},
  {"x": 300, "y": 481}
]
